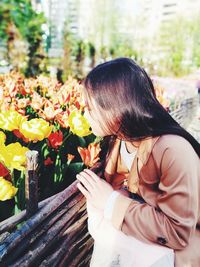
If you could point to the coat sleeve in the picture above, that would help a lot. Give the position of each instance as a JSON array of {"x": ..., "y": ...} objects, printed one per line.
[{"x": 173, "y": 222}]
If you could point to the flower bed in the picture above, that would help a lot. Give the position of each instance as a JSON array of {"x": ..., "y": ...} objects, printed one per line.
[{"x": 44, "y": 115}]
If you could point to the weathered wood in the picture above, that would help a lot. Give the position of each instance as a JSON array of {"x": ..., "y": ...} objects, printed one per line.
[
  {"x": 4, "y": 236},
  {"x": 82, "y": 256},
  {"x": 42, "y": 229},
  {"x": 14, "y": 239},
  {"x": 77, "y": 230},
  {"x": 53, "y": 234},
  {"x": 31, "y": 183},
  {"x": 11, "y": 222},
  {"x": 77, "y": 250}
]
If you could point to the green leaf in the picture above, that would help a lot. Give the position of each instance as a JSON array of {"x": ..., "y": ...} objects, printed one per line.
[
  {"x": 20, "y": 200},
  {"x": 82, "y": 141},
  {"x": 45, "y": 150},
  {"x": 74, "y": 168},
  {"x": 58, "y": 176}
]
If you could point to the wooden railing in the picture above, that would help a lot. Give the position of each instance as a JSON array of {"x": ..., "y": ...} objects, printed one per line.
[{"x": 52, "y": 233}]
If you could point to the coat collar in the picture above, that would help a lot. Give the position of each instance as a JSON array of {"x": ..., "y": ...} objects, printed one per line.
[
  {"x": 143, "y": 153},
  {"x": 145, "y": 148}
]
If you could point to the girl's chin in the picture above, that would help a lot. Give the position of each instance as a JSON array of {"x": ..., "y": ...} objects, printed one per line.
[{"x": 97, "y": 133}]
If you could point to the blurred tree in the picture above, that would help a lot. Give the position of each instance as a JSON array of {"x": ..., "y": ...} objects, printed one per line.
[
  {"x": 67, "y": 60},
  {"x": 173, "y": 46},
  {"x": 179, "y": 46},
  {"x": 78, "y": 53},
  {"x": 123, "y": 48},
  {"x": 74, "y": 55},
  {"x": 104, "y": 53},
  {"x": 29, "y": 24},
  {"x": 91, "y": 52},
  {"x": 195, "y": 29}
]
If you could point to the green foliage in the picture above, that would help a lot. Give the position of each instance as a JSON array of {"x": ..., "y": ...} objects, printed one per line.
[
  {"x": 90, "y": 50},
  {"x": 75, "y": 51},
  {"x": 68, "y": 44},
  {"x": 78, "y": 53},
  {"x": 195, "y": 29},
  {"x": 123, "y": 49},
  {"x": 5, "y": 9},
  {"x": 179, "y": 43},
  {"x": 29, "y": 23}
]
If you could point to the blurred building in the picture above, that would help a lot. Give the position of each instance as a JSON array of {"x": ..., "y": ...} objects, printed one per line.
[
  {"x": 156, "y": 13},
  {"x": 106, "y": 21},
  {"x": 58, "y": 14},
  {"x": 99, "y": 22}
]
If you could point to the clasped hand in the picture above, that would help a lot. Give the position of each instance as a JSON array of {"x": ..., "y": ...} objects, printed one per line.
[{"x": 95, "y": 189}]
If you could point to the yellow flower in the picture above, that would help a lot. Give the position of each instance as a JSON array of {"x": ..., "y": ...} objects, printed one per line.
[
  {"x": 78, "y": 124},
  {"x": 13, "y": 156},
  {"x": 35, "y": 129},
  {"x": 2, "y": 138},
  {"x": 7, "y": 190},
  {"x": 10, "y": 120}
]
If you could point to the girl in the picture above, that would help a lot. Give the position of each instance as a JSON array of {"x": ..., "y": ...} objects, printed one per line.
[{"x": 151, "y": 186}]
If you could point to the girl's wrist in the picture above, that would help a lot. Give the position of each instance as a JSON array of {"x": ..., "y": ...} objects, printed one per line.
[{"x": 108, "y": 209}]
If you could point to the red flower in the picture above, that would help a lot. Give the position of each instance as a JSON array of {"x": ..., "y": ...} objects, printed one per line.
[
  {"x": 20, "y": 135},
  {"x": 4, "y": 172},
  {"x": 48, "y": 161},
  {"x": 55, "y": 139}
]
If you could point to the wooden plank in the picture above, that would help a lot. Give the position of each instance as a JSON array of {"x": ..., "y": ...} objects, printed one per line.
[{"x": 31, "y": 183}]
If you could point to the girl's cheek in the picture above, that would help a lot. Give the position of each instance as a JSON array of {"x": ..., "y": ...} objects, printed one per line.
[{"x": 88, "y": 117}]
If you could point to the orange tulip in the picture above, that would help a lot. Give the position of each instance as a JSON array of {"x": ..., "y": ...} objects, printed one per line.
[
  {"x": 70, "y": 157},
  {"x": 62, "y": 118},
  {"x": 49, "y": 111},
  {"x": 37, "y": 101},
  {"x": 90, "y": 155}
]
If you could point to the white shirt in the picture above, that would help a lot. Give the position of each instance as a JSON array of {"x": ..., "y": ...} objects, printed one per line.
[
  {"x": 126, "y": 156},
  {"x": 128, "y": 160}
]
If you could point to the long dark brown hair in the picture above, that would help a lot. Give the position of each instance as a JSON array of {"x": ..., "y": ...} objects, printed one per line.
[{"x": 124, "y": 89}]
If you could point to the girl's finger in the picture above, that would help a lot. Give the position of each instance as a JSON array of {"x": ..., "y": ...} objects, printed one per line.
[
  {"x": 92, "y": 174},
  {"x": 86, "y": 181},
  {"x": 89, "y": 178},
  {"x": 83, "y": 190}
]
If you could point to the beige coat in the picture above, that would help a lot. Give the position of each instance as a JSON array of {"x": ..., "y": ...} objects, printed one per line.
[{"x": 166, "y": 174}]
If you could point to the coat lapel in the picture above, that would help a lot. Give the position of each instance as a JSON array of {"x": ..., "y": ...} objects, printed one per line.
[
  {"x": 116, "y": 169},
  {"x": 141, "y": 159}
]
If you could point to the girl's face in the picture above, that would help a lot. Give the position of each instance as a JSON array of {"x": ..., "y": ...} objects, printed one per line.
[{"x": 95, "y": 118}]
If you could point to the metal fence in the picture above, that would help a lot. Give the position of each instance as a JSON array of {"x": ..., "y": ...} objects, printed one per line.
[{"x": 184, "y": 112}]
